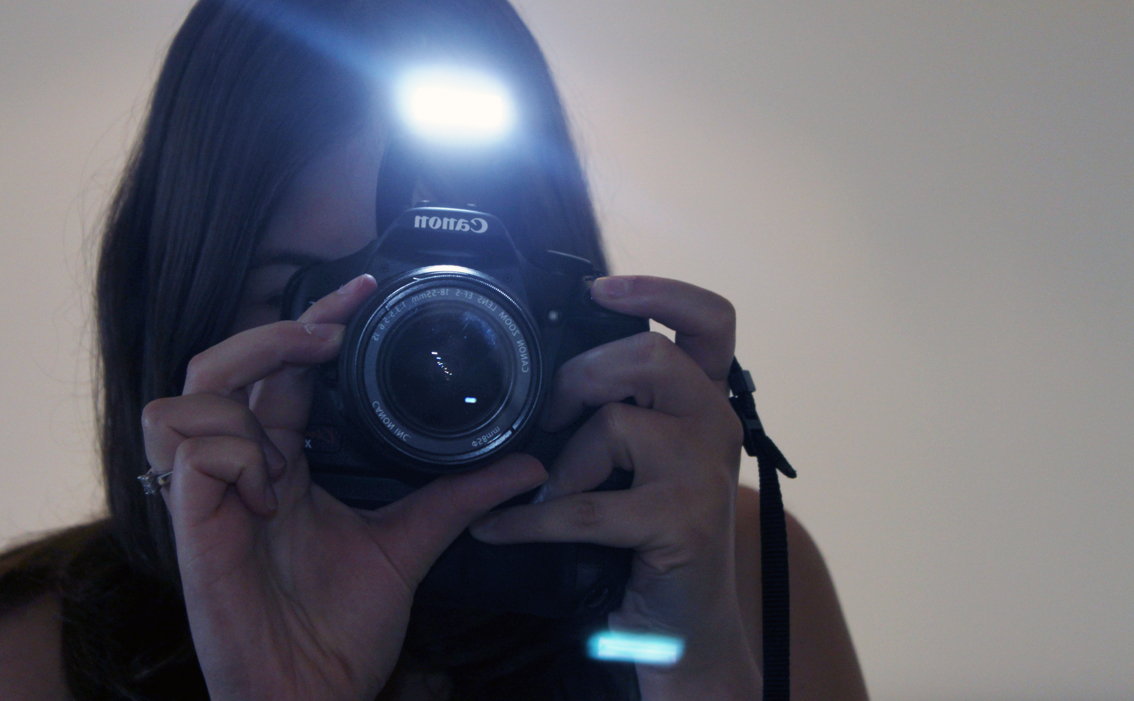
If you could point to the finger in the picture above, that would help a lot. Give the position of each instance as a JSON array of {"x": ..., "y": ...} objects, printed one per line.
[
  {"x": 647, "y": 367},
  {"x": 167, "y": 422},
  {"x": 429, "y": 519},
  {"x": 283, "y": 398},
  {"x": 338, "y": 306},
  {"x": 252, "y": 355},
  {"x": 621, "y": 519},
  {"x": 704, "y": 322},
  {"x": 609, "y": 439},
  {"x": 206, "y": 467}
]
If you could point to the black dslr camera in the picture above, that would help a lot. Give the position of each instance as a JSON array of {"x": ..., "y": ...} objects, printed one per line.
[{"x": 446, "y": 367}]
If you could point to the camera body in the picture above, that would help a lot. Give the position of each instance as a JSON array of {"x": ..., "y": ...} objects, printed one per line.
[{"x": 446, "y": 367}]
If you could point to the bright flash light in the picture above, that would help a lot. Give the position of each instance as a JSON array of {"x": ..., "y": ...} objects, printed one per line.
[
  {"x": 470, "y": 400},
  {"x": 454, "y": 105},
  {"x": 639, "y": 648}
]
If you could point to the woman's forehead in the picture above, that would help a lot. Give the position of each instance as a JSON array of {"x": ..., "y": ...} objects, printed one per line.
[{"x": 328, "y": 210}]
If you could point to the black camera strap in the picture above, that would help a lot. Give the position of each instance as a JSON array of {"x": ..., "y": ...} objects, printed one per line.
[{"x": 773, "y": 534}]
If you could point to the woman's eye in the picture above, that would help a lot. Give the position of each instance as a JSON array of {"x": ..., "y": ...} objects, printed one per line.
[{"x": 266, "y": 284}]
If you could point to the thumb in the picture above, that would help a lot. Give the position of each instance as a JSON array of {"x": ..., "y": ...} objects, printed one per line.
[{"x": 417, "y": 528}]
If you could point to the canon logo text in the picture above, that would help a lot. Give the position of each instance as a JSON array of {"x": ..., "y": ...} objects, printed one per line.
[{"x": 476, "y": 225}]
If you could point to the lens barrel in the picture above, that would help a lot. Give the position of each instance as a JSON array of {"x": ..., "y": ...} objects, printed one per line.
[{"x": 443, "y": 368}]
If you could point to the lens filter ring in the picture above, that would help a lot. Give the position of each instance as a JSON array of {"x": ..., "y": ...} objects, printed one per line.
[{"x": 445, "y": 370}]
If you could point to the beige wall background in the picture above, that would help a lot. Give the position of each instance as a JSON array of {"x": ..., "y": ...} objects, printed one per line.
[{"x": 924, "y": 213}]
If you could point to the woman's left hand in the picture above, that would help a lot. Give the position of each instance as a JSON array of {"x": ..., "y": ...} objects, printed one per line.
[{"x": 682, "y": 442}]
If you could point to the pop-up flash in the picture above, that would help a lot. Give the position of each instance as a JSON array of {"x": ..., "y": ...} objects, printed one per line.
[{"x": 455, "y": 105}]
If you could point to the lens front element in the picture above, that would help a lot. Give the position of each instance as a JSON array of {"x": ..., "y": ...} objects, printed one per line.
[{"x": 444, "y": 369}]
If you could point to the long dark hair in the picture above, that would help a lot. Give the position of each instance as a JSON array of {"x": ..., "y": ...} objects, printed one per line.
[{"x": 250, "y": 91}]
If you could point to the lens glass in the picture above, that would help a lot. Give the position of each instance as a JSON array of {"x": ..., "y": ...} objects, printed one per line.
[{"x": 445, "y": 369}]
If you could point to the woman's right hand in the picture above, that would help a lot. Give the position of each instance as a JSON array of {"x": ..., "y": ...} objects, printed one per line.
[{"x": 291, "y": 594}]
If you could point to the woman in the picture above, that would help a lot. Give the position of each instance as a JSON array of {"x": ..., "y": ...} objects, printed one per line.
[{"x": 244, "y": 580}]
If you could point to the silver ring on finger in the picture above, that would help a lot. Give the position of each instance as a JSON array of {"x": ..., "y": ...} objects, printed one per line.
[{"x": 152, "y": 482}]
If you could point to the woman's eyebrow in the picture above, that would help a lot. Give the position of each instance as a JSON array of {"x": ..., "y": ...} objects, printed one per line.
[{"x": 284, "y": 258}]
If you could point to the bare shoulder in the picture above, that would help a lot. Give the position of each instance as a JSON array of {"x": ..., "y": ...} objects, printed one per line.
[
  {"x": 31, "y": 655},
  {"x": 823, "y": 661}
]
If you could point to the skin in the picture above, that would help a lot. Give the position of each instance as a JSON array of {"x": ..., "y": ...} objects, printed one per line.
[{"x": 293, "y": 595}]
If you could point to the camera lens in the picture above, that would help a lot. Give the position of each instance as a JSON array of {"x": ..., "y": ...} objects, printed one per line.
[
  {"x": 445, "y": 369},
  {"x": 442, "y": 367}
]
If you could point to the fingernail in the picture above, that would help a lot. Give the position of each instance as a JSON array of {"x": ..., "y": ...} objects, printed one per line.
[
  {"x": 348, "y": 287},
  {"x": 353, "y": 284},
  {"x": 541, "y": 494},
  {"x": 611, "y": 287},
  {"x": 276, "y": 460},
  {"x": 328, "y": 332}
]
